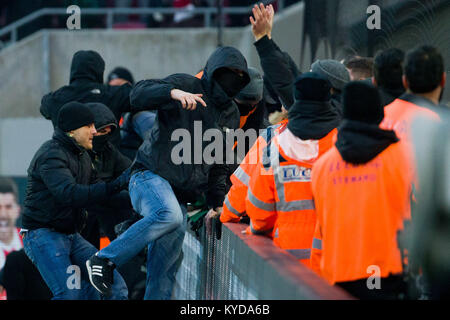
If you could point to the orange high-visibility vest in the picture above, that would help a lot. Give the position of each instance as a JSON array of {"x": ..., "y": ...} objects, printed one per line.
[
  {"x": 360, "y": 209},
  {"x": 316, "y": 249},
  {"x": 279, "y": 199},
  {"x": 399, "y": 116},
  {"x": 234, "y": 204},
  {"x": 104, "y": 242},
  {"x": 199, "y": 75}
]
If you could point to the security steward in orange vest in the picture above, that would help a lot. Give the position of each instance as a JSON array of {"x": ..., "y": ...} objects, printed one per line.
[
  {"x": 361, "y": 191},
  {"x": 424, "y": 79},
  {"x": 279, "y": 200}
]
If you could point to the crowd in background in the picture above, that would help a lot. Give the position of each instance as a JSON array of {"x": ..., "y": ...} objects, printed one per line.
[{"x": 11, "y": 11}]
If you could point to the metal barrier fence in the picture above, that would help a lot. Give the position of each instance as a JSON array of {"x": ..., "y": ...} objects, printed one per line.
[{"x": 245, "y": 267}]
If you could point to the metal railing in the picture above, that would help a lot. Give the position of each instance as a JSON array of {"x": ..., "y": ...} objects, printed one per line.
[
  {"x": 245, "y": 267},
  {"x": 207, "y": 13}
]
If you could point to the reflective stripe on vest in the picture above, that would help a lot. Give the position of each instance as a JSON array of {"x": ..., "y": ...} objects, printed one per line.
[
  {"x": 230, "y": 207},
  {"x": 258, "y": 203},
  {"x": 242, "y": 176},
  {"x": 300, "y": 253},
  {"x": 317, "y": 244},
  {"x": 294, "y": 205},
  {"x": 284, "y": 205},
  {"x": 259, "y": 232}
]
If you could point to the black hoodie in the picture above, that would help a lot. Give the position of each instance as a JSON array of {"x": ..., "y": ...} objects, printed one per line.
[
  {"x": 360, "y": 142},
  {"x": 312, "y": 120},
  {"x": 86, "y": 85},
  {"x": 279, "y": 69},
  {"x": 188, "y": 180}
]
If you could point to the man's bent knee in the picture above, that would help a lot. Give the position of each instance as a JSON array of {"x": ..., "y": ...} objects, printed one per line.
[{"x": 177, "y": 219}]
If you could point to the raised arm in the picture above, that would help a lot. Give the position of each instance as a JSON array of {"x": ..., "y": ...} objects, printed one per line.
[{"x": 278, "y": 66}]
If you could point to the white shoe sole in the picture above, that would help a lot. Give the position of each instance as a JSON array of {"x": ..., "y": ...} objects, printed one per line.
[{"x": 88, "y": 266}]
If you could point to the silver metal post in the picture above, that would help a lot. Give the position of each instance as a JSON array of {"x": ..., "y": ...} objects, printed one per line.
[{"x": 46, "y": 61}]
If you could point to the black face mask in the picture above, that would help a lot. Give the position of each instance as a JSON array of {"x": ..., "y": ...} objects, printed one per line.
[
  {"x": 99, "y": 142},
  {"x": 230, "y": 82},
  {"x": 245, "y": 107}
]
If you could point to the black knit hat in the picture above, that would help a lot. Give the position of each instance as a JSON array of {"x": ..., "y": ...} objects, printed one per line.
[
  {"x": 312, "y": 86},
  {"x": 74, "y": 115},
  {"x": 122, "y": 73},
  {"x": 361, "y": 102}
]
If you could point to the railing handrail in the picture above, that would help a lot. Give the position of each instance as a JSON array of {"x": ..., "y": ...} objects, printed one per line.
[{"x": 109, "y": 12}]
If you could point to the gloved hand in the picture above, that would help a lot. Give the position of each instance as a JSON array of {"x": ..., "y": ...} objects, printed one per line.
[
  {"x": 212, "y": 221},
  {"x": 120, "y": 183},
  {"x": 124, "y": 225}
]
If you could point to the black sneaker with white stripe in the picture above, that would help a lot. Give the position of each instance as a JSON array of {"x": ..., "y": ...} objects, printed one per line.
[{"x": 101, "y": 274}]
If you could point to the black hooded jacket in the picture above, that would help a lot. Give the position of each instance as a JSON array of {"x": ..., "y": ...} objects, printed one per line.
[
  {"x": 107, "y": 159},
  {"x": 58, "y": 186},
  {"x": 86, "y": 85},
  {"x": 312, "y": 120},
  {"x": 360, "y": 142},
  {"x": 279, "y": 69},
  {"x": 188, "y": 180}
]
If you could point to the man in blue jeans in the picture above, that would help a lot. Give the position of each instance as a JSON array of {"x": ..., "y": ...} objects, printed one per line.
[
  {"x": 161, "y": 186},
  {"x": 58, "y": 189}
]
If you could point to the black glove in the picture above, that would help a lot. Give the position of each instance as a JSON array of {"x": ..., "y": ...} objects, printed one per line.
[
  {"x": 120, "y": 183},
  {"x": 217, "y": 225},
  {"x": 124, "y": 225},
  {"x": 196, "y": 226}
]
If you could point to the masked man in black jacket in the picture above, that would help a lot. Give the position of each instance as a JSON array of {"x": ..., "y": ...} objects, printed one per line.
[
  {"x": 109, "y": 164},
  {"x": 86, "y": 85},
  {"x": 165, "y": 177},
  {"x": 59, "y": 189}
]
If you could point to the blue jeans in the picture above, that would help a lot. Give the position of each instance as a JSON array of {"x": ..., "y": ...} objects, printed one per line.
[
  {"x": 143, "y": 122},
  {"x": 161, "y": 229},
  {"x": 57, "y": 256}
]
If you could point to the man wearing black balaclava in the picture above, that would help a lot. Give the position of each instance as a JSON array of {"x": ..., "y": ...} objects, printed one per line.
[
  {"x": 160, "y": 187},
  {"x": 109, "y": 164},
  {"x": 252, "y": 111},
  {"x": 62, "y": 184},
  {"x": 103, "y": 217}
]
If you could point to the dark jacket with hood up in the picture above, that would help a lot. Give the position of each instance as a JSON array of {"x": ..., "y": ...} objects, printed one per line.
[
  {"x": 188, "y": 180},
  {"x": 59, "y": 186},
  {"x": 107, "y": 159},
  {"x": 279, "y": 69},
  {"x": 281, "y": 72},
  {"x": 86, "y": 85}
]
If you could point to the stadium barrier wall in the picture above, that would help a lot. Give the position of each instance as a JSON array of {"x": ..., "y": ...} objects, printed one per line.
[{"x": 245, "y": 267}]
